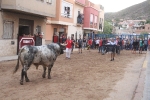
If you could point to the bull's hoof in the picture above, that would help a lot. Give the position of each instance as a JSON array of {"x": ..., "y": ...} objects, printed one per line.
[
  {"x": 27, "y": 80},
  {"x": 43, "y": 76},
  {"x": 21, "y": 82},
  {"x": 49, "y": 77}
]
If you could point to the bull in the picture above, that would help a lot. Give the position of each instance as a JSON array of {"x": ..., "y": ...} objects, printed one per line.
[{"x": 44, "y": 55}]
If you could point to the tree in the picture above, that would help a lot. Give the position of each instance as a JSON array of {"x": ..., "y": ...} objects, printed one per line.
[
  {"x": 148, "y": 21},
  {"x": 107, "y": 28}
]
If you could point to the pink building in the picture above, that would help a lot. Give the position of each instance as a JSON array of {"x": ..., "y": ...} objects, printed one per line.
[{"x": 91, "y": 16}]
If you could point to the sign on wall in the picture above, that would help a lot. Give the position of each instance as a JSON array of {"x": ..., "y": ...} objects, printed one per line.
[{"x": 66, "y": 9}]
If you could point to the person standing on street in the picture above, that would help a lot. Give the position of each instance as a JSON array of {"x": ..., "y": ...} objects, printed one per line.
[
  {"x": 140, "y": 46},
  {"x": 97, "y": 43},
  {"x": 149, "y": 44},
  {"x": 84, "y": 43},
  {"x": 89, "y": 44},
  {"x": 145, "y": 44},
  {"x": 100, "y": 45},
  {"x": 112, "y": 42},
  {"x": 80, "y": 45},
  {"x": 73, "y": 42},
  {"x": 68, "y": 47}
]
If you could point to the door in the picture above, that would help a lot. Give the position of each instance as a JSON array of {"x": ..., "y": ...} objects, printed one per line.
[{"x": 25, "y": 28}]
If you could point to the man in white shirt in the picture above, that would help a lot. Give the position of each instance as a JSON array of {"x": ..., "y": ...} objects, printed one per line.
[{"x": 97, "y": 43}]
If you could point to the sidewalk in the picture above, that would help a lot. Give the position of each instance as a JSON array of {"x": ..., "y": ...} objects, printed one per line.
[
  {"x": 8, "y": 58},
  {"x": 146, "y": 92}
]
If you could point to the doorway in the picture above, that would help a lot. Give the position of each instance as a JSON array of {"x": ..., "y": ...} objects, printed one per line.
[{"x": 25, "y": 28}]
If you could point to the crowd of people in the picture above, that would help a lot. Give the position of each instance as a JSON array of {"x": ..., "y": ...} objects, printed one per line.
[{"x": 98, "y": 44}]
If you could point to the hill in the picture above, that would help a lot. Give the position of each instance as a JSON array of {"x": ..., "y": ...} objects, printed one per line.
[{"x": 135, "y": 12}]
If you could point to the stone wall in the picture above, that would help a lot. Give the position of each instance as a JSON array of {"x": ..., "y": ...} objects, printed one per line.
[{"x": 8, "y": 49}]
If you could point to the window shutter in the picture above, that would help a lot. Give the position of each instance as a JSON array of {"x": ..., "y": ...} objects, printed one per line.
[{"x": 8, "y": 30}]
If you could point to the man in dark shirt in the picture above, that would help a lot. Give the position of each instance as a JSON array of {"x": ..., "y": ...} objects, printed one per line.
[
  {"x": 84, "y": 42},
  {"x": 73, "y": 42},
  {"x": 103, "y": 44},
  {"x": 134, "y": 46},
  {"x": 80, "y": 45}
]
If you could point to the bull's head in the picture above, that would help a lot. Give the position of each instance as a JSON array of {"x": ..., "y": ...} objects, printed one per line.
[
  {"x": 57, "y": 47},
  {"x": 61, "y": 48}
]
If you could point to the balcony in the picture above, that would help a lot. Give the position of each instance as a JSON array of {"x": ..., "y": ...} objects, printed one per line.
[
  {"x": 80, "y": 20},
  {"x": 36, "y": 7}
]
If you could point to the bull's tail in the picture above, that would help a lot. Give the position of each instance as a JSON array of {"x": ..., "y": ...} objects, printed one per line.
[{"x": 17, "y": 66}]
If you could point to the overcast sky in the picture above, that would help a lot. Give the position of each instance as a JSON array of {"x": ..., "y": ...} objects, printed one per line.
[{"x": 116, "y": 5}]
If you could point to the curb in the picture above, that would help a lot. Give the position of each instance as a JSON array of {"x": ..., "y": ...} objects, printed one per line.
[{"x": 138, "y": 93}]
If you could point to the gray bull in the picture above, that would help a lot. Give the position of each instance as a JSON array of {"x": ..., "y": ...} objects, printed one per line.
[{"x": 44, "y": 55}]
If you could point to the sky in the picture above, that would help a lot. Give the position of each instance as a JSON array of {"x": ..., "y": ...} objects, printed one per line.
[{"x": 116, "y": 5}]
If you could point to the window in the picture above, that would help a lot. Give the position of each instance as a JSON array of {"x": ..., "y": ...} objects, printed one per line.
[
  {"x": 91, "y": 18},
  {"x": 100, "y": 20},
  {"x": 55, "y": 31},
  {"x": 38, "y": 29},
  {"x": 95, "y": 19},
  {"x": 143, "y": 27},
  {"x": 66, "y": 9},
  {"x": 78, "y": 12},
  {"x": 8, "y": 30},
  {"x": 49, "y": 1}
]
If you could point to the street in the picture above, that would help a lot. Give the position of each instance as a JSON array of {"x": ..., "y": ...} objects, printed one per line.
[{"x": 86, "y": 76}]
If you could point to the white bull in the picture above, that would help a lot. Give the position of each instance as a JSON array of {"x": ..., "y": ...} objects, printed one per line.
[{"x": 44, "y": 55}]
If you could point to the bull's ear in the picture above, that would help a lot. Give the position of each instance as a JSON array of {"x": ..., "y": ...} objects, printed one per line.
[{"x": 22, "y": 49}]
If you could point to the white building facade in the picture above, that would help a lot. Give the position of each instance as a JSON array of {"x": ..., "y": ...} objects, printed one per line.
[{"x": 76, "y": 30}]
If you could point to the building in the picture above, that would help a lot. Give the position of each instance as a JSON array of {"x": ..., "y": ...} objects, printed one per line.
[
  {"x": 76, "y": 30},
  {"x": 142, "y": 29},
  {"x": 93, "y": 19},
  {"x": 58, "y": 26},
  {"x": 73, "y": 19},
  {"x": 100, "y": 25},
  {"x": 132, "y": 27},
  {"x": 19, "y": 18}
]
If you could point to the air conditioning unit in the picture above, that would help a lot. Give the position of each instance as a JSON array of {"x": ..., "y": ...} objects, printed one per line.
[{"x": 49, "y": 1}]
